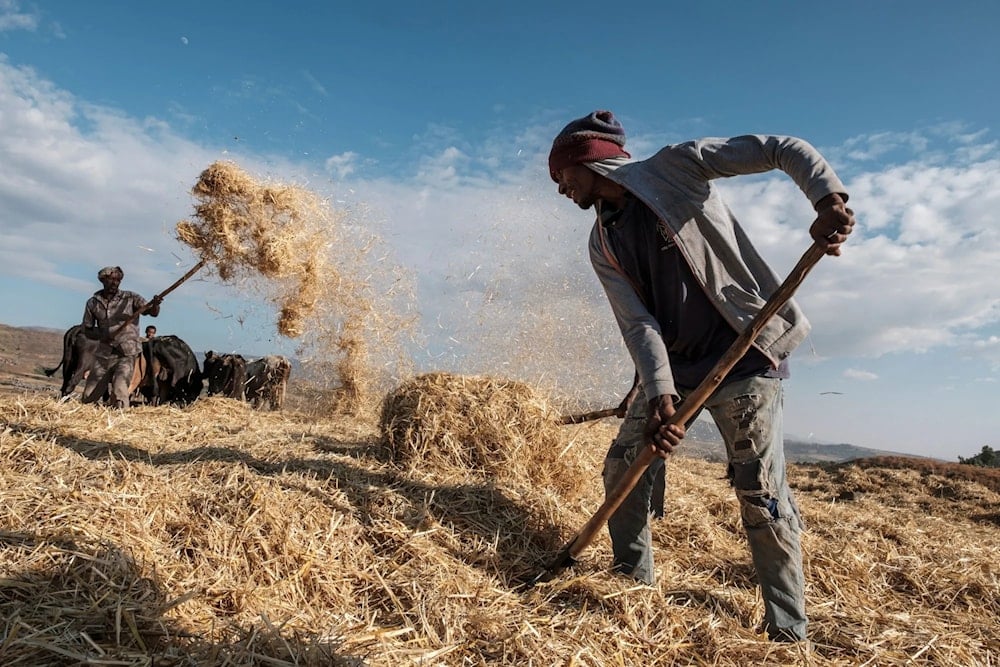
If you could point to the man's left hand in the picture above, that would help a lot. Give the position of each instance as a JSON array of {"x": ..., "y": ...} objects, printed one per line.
[
  {"x": 662, "y": 435},
  {"x": 153, "y": 307}
]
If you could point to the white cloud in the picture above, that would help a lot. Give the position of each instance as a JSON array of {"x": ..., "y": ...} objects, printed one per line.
[
  {"x": 918, "y": 272},
  {"x": 443, "y": 169},
  {"x": 857, "y": 374},
  {"x": 498, "y": 256},
  {"x": 13, "y": 18},
  {"x": 343, "y": 165}
]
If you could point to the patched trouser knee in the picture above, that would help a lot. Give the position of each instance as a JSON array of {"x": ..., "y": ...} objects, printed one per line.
[
  {"x": 761, "y": 501},
  {"x": 748, "y": 414}
]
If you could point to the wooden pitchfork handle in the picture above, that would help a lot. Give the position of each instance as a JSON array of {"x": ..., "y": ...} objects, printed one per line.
[
  {"x": 135, "y": 316},
  {"x": 688, "y": 408}
]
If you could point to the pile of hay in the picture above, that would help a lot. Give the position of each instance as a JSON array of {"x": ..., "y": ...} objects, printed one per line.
[{"x": 496, "y": 427}]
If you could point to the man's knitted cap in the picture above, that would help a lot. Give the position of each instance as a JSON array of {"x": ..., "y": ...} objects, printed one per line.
[
  {"x": 594, "y": 137},
  {"x": 110, "y": 270}
]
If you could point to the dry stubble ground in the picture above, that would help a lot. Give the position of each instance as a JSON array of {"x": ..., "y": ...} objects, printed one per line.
[{"x": 214, "y": 535}]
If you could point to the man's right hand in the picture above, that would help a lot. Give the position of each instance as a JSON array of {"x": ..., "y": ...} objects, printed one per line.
[
  {"x": 661, "y": 434},
  {"x": 833, "y": 224}
]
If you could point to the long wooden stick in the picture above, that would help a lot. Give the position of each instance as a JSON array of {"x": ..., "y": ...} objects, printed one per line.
[
  {"x": 135, "y": 316},
  {"x": 687, "y": 409}
]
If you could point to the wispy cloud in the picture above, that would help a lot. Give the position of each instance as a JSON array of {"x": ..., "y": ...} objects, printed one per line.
[
  {"x": 315, "y": 84},
  {"x": 12, "y": 17},
  {"x": 857, "y": 374}
]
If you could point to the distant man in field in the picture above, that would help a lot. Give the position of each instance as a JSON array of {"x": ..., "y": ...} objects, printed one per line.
[
  {"x": 683, "y": 281},
  {"x": 105, "y": 313}
]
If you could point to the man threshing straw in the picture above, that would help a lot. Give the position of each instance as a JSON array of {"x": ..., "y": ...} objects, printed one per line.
[
  {"x": 683, "y": 280},
  {"x": 110, "y": 316}
]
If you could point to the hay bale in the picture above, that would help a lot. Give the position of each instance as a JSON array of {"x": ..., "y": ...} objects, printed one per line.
[{"x": 501, "y": 428}]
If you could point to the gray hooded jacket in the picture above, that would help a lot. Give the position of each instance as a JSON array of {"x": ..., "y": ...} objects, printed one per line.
[{"x": 676, "y": 183}]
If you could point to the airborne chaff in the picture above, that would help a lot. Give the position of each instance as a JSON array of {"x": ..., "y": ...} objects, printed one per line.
[{"x": 246, "y": 230}]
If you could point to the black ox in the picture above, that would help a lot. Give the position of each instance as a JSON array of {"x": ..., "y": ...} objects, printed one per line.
[
  {"x": 77, "y": 358},
  {"x": 167, "y": 373},
  {"x": 262, "y": 382},
  {"x": 172, "y": 372},
  {"x": 225, "y": 374}
]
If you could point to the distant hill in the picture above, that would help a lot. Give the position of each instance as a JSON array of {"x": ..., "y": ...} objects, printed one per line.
[
  {"x": 799, "y": 451},
  {"x": 24, "y": 352}
]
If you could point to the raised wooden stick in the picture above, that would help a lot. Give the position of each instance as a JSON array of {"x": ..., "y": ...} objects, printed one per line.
[
  {"x": 589, "y": 416},
  {"x": 135, "y": 316}
]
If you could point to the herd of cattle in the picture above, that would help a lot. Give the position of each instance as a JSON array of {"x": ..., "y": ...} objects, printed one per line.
[{"x": 167, "y": 371}]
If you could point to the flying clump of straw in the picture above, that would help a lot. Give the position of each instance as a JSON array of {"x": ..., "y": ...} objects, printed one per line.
[
  {"x": 244, "y": 228},
  {"x": 500, "y": 428},
  {"x": 324, "y": 270}
]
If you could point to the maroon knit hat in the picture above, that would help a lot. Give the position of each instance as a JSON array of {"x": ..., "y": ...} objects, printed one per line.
[{"x": 594, "y": 137}]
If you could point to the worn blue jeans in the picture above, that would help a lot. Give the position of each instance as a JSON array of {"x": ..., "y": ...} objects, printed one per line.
[{"x": 748, "y": 414}]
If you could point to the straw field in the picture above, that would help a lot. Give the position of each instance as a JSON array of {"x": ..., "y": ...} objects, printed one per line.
[{"x": 217, "y": 535}]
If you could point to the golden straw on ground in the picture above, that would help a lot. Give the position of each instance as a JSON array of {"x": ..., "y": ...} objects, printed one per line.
[{"x": 214, "y": 535}]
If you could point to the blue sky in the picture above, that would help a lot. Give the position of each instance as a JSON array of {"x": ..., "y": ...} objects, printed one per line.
[{"x": 429, "y": 125}]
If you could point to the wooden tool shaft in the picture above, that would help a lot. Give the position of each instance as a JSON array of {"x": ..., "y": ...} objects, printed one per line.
[
  {"x": 691, "y": 404},
  {"x": 135, "y": 316}
]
